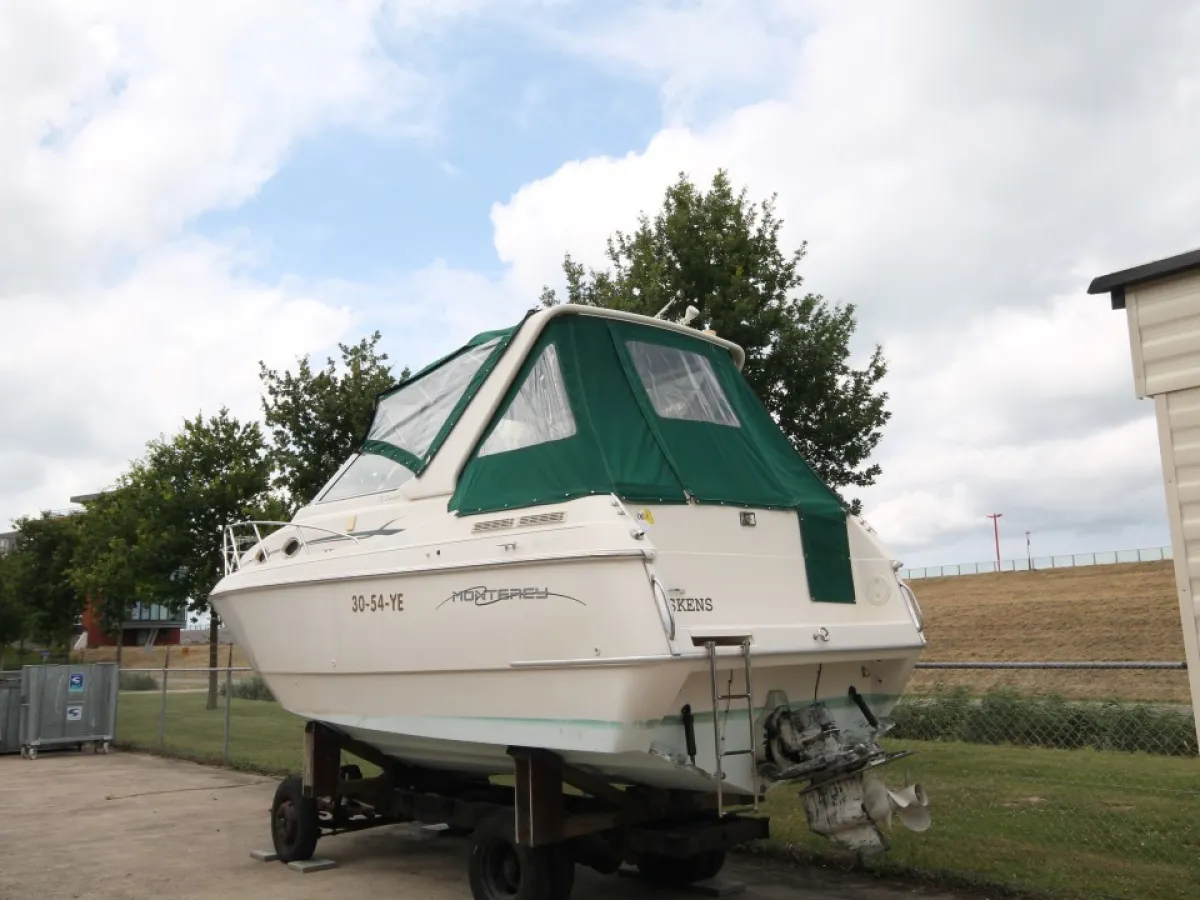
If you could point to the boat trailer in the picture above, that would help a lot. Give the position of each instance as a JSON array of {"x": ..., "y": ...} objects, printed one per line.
[{"x": 526, "y": 838}]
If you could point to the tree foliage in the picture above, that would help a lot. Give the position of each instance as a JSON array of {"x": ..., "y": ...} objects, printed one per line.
[
  {"x": 157, "y": 536},
  {"x": 317, "y": 418},
  {"x": 720, "y": 253},
  {"x": 14, "y": 609},
  {"x": 41, "y": 567},
  {"x": 121, "y": 559}
]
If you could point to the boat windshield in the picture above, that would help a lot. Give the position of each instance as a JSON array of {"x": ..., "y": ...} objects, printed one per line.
[
  {"x": 367, "y": 473},
  {"x": 410, "y": 419},
  {"x": 410, "y": 423}
]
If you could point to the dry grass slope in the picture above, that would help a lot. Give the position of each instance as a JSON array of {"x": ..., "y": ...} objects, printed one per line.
[
  {"x": 194, "y": 656},
  {"x": 1116, "y": 612}
]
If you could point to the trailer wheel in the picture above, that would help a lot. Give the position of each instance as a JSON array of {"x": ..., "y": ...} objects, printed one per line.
[
  {"x": 677, "y": 871},
  {"x": 500, "y": 869},
  {"x": 294, "y": 824}
]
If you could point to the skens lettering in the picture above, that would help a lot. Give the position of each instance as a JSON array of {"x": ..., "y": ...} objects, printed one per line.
[{"x": 691, "y": 604}]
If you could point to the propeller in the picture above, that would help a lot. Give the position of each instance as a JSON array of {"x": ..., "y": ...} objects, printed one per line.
[{"x": 909, "y": 804}]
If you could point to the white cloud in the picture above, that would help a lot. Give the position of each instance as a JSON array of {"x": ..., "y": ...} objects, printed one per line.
[
  {"x": 98, "y": 374},
  {"x": 426, "y": 313},
  {"x": 421, "y": 16},
  {"x": 693, "y": 51},
  {"x": 960, "y": 172},
  {"x": 124, "y": 122}
]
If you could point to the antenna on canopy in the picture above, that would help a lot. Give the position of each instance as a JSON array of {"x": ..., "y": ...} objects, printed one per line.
[
  {"x": 689, "y": 314},
  {"x": 659, "y": 314}
]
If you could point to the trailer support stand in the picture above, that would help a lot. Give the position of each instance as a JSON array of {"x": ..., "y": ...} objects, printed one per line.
[
  {"x": 538, "y": 806},
  {"x": 322, "y": 756}
]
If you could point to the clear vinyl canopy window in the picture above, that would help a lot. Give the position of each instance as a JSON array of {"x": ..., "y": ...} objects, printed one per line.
[
  {"x": 411, "y": 418},
  {"x": 540, "y": 412},
  {"x": 681, "y": 384},
  {"x": 406, "y": 426}
]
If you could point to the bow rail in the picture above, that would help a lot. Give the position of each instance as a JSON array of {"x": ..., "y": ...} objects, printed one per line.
[{"x": 239, "y": 538}]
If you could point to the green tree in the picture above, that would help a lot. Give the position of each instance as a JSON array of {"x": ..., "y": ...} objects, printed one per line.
[
  {"x": 157, "y": 536},
  {"x": 14, "y": 612},
  {"x": 720, "y": 253},
  {"x": 120, "y": 560},
  {"x": 45, "y": 547},
  {"x": 317, "y": 418}
]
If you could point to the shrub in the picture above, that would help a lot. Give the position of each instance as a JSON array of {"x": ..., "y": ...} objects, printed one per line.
[
  {"x": 138, "y": 681},
  {"x": 1006, "y": 716},
  {"x": 252, "y": 688}
]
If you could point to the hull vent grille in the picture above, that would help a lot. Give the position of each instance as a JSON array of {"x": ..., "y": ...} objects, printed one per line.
[
  {"x": 542, "y": 519},
  {"x": 492, "y": 525}
]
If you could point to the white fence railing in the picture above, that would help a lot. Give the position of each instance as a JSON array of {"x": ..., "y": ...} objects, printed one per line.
[{"x": 1104, "y": 558}]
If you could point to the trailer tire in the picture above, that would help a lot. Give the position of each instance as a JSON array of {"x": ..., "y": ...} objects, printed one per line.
[
  {"x": 501, "y": 869},
  {"x": 294, "y": 823}
]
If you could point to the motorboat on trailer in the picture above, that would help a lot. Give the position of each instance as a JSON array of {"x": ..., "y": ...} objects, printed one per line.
[{"x": 586, "y": 534}]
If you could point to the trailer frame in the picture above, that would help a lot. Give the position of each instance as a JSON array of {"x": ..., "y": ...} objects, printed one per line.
[{"x": 526, "y": 837}]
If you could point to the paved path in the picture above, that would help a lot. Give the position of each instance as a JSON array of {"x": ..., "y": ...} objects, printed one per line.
[{"x": 126, "y": 826}]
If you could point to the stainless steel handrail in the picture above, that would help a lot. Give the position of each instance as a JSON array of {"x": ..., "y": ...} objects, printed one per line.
[{"x": 233, "y": 554}]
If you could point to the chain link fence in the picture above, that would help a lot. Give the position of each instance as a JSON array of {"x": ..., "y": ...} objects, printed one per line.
[
  {"x": 1029, "y": 790},
  {"x": 171, "y": 711},
  {"x": 1040, "y": 563}
]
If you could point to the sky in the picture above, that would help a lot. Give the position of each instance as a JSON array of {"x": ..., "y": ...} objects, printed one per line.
[{"x": 189, "y": 189}]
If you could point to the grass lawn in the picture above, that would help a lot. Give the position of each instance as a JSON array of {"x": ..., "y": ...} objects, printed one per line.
[
  {"x": 263, "y": 736},
  {"x": 1069, "y": 823}
]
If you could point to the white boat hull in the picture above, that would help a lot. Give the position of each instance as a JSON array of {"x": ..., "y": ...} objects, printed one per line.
[{"x": 446, "y": 649}]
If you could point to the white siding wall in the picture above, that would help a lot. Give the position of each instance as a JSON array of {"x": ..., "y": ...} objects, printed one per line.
[
  {"x": 1164, "y": 334},
  {"x": 1164, "y": 339},
  {"x": 1178, "y": 414}
]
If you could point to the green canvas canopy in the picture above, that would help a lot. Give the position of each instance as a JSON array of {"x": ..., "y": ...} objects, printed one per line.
[{"x": 608, "y": 406}]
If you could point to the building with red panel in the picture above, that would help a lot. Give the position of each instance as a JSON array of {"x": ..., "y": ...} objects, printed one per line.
[{"x": 148, "y": 625}]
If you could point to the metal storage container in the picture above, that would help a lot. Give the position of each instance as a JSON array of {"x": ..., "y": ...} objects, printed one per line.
[
  {"x": 10, "y": 712},
  {"x": 68, "y": 704}
]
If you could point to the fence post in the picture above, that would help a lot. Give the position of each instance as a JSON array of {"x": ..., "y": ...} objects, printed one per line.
[
  {"x": 228, "y": 698},
  {"x": 116, "y": 701},
  {"x": 162, "y": 710}
]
